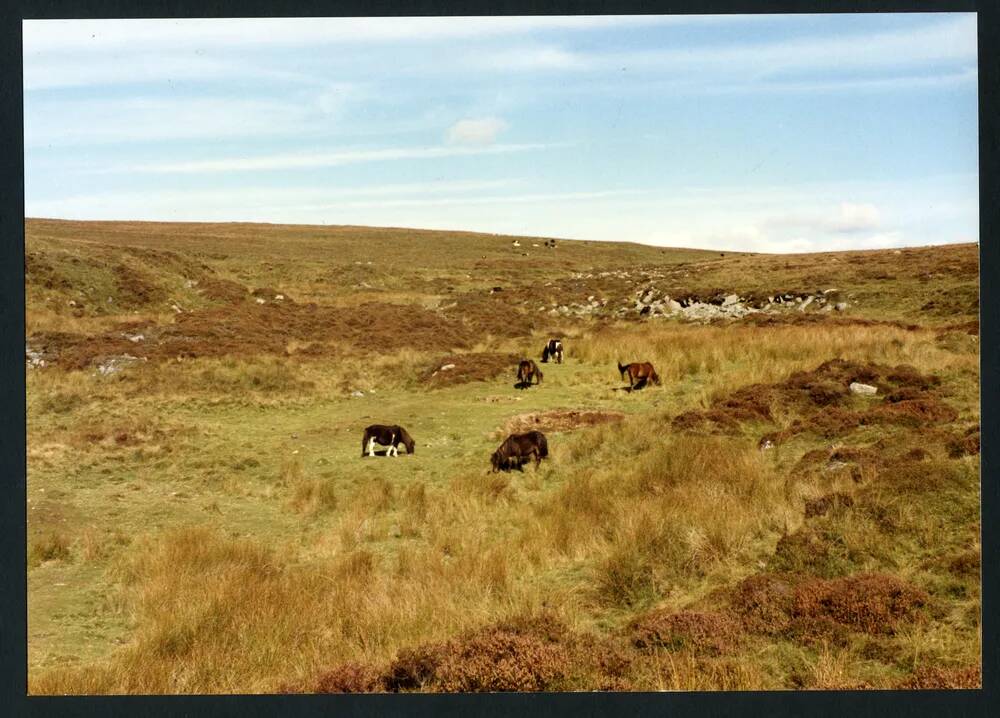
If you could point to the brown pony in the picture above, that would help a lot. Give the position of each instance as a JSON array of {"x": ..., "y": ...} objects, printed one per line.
[
  {"x": 639, "y": 374},
  {"x": 528, "y": 370},
  {"x": 517, "y": 449}
]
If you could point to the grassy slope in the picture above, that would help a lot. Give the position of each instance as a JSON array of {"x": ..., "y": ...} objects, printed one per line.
[{"x": 202, "y": 522}]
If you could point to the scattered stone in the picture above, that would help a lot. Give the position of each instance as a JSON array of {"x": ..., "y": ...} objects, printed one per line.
[
  {"x": 805, "y": 304},
  {"x": 730, "y": 299},
  {"x": 840, "y": 306},
  {"x": 357, "y": 393},
  {"x": 279, "y": 297},
  {"x": 260, "y": 300},
  {"x": 35, "y": 359},
  {"x": 863, "y": 389},
  {"x": 446, "y": 367},
  {"x": 113, "y": 365}
]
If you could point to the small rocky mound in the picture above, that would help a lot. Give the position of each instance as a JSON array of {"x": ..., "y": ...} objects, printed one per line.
[{"x": 558, "y": 420}]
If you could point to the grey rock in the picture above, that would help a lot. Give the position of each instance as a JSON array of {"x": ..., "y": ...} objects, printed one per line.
[{"x": 863, "y": 389}]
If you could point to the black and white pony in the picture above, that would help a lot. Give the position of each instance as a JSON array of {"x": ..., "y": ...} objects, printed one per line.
[
  {"x": 391, "y": 436},
  {"x": 554, "y": 349}
]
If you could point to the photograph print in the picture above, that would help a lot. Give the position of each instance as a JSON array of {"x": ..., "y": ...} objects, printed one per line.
[{"x": 481, "y": 354}]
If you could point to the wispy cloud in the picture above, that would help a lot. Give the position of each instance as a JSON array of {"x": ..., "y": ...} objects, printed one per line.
[
  {"x": 279, "y": 200},
  {"x": 946, "y": 39},
  {"x": 327, "y": 159},
  {"x": 62, "y": 36},
  {"x": 480, "y": 131},
  {"x": 144, "y": 119}
]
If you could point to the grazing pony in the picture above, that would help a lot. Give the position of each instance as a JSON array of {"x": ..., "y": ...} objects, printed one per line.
[
  {"x": 554, "y": 349},
  {"x": 528, "y": 370},
  {"x": 391, "y": 436},
  {"x": 639, "y": 374},
  {"x": 518, "y": 449}
]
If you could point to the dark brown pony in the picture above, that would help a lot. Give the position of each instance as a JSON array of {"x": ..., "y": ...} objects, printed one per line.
[
  {"x": 391, "y": 436},
  {"x": 639, "y": 374},
  {"x": 554, "y": 349},
  {"x": 518, "y": 449},
  {"x": 528, "y": 370}
]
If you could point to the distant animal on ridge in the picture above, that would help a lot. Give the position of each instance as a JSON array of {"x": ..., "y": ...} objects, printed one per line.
[
  {"x": 518, "y": 449},
  {"x": 639, "y": 374},
  {"x": 554, "y": 349},
  {"x": 391, "y": 436},
  {"x": 526, "y": 371}
]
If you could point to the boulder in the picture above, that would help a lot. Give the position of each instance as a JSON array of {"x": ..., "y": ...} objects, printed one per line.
[
  {"x": 863, "y": 389},
  {"x": 730, "y": 299},
  {"x": 840, "y": 306}
]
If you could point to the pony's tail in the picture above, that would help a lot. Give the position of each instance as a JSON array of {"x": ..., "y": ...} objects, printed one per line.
[
  {"x": 621, "y": 369},
  {"x": 538, "y": 373},
  {"x": 543, "y": 447},
  {"x": 656, "y": 378}
]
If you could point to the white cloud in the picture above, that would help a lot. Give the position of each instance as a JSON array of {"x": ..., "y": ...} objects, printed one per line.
[
  {"x": 482, "y": 131},
  {"x": 325, "y": 159}
]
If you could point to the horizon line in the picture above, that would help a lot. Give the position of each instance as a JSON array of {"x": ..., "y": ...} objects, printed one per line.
[{"x": 488, "y": 234}]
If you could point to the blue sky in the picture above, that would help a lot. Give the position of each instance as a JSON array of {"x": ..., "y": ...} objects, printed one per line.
[{"x": 760, "y": 133}]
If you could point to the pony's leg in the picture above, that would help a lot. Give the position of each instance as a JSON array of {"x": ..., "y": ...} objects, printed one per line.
[{"x": 371, "y": 446}]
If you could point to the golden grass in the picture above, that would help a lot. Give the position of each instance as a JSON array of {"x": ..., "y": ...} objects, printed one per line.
[{"x": 253, "y": 550}]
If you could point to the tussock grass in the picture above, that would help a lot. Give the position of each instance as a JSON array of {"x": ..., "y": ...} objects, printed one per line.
[{"x": 254, "y": 551}]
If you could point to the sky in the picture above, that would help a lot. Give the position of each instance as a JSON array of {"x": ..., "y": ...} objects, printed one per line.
[{"x": 762, "y": 133}]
